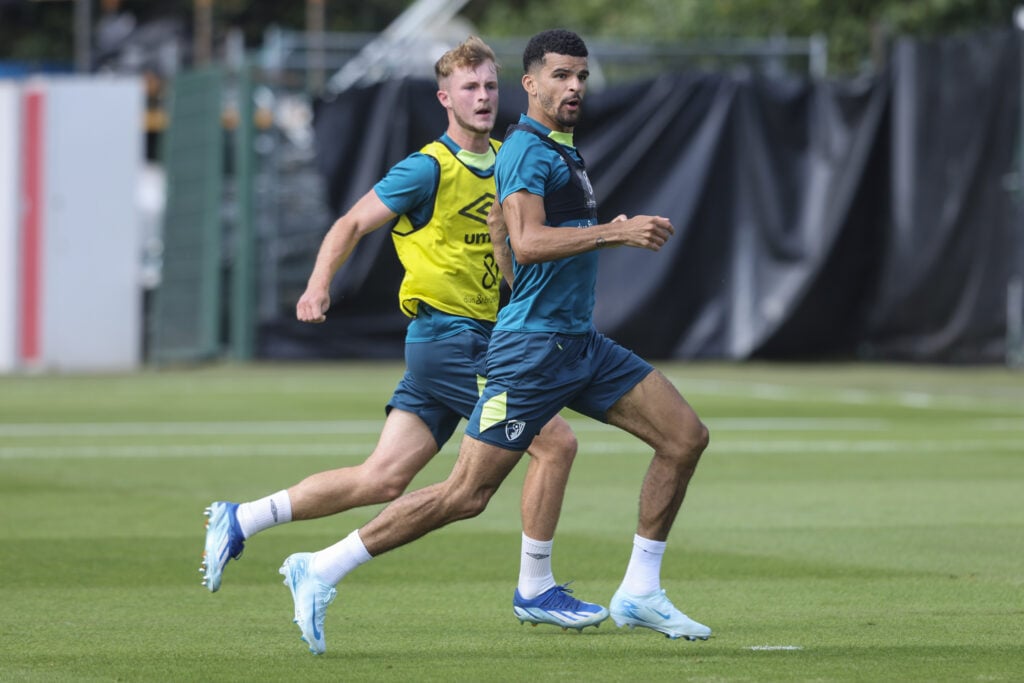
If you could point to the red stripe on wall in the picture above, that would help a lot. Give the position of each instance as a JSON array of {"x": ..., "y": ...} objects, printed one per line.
[{"x": 32, "y": 228}]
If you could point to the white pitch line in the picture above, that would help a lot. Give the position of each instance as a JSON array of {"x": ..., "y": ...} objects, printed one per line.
[
  {"x": 799, "y": 424},
  {"x": 186, "y": 451},
  {"x": 625, "y": 448},
  {"x": 230, "y": 428},
  {"x": 723, "y": 445},
  {"x": 42, "y": 429},
  {"x": 346, "y": 427},
  {"x": 920, "y": 399}
]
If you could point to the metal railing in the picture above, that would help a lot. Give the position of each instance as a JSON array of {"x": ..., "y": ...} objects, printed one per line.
[{"x": 341, "y": 60}]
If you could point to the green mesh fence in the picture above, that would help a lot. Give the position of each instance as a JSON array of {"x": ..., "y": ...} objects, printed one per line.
[{"x": 184, "y": 323}]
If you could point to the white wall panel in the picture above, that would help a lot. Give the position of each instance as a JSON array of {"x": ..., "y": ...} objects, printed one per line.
[{"x": 92, "y": 303}]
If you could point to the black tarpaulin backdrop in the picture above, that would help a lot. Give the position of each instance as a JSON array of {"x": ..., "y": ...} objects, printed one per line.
[{"x": 870, "y": 218}]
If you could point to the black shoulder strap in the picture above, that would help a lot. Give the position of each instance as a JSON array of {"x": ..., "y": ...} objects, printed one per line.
[{"x": 547, "y": 141}]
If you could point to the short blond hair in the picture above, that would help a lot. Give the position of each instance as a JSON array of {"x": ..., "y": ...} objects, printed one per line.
[{"x": 469, "y": 53}]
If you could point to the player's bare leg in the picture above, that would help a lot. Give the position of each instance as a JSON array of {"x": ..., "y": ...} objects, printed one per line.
[
  {"x": 311, "y": 577},
  {"x": 655, "y": 412},
  {"x": 538, "y": 598},
  {"x": 403, "y": 449}
]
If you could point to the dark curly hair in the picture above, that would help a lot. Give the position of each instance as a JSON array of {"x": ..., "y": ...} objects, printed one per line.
[{"x": 558, "y": 41}]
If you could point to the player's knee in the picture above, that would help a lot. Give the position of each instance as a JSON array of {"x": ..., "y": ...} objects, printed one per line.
[
  {"x": 557, "y": 442},
  {"x": 703, "y": 437},
  {"x": 686, "y": 444},
  {"x": 384, "y": 486},
  {"x": 565, "y": 445},
  {"x": 695, "y": 442},
  {"x": 477, "y": 503},
  {"x": 570, "y": 445},
  {"x": 387, "y": 491},
  {"x": 466, "y": 504},
  {"x": 474, "y": 508}
]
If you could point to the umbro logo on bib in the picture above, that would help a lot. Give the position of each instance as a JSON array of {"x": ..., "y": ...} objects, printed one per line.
[
  {"x": 478, "y": 209},
  {"x": 513, "y": 429}
]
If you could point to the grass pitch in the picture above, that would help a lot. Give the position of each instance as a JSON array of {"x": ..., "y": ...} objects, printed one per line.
[{"x": 848, "y": 523}]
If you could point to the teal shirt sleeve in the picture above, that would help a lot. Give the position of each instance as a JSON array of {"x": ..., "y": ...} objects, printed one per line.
[
  {"x": 526, "y": 163},
  {"x": 410, "y": 186},
  {"x": 522, "y": 165}
]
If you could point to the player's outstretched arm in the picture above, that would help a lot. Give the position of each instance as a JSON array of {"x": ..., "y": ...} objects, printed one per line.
[
  {"x": 368, "y": 214},
  {"x": 535, "y": 242}
]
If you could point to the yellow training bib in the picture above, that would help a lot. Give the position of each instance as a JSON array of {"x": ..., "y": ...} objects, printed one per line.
[{"x": 449, "y": 262}]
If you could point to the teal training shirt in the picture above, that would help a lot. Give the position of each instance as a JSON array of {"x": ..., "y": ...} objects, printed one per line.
[{"x": 553, "y": 296}]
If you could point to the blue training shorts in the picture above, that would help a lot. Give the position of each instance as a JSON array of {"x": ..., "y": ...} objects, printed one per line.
[
  {"x": 442, "y": 381},
  {"x": 532, "y": 376}
]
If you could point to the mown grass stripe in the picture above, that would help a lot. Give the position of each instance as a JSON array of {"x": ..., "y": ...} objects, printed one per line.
[{"x": 723, "y": 445}]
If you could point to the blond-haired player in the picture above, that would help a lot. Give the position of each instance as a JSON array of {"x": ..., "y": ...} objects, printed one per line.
[{"x": 440, "y": 196}]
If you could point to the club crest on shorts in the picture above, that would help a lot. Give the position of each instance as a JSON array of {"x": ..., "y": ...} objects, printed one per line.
[{"x": 513, "y": 429}]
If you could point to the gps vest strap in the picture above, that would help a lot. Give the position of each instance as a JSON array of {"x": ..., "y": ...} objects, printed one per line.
[{"x": 574, "y": 201}]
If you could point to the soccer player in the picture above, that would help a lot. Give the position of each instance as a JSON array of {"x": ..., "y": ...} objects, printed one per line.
[
  {"x": 450, "y": 290},
  {"x": 545, "y": 354}
]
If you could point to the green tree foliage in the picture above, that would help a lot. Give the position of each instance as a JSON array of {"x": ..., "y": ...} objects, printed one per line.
[
  {"x": 856, "y": 29},
  {"x": 38, "y": 32}
]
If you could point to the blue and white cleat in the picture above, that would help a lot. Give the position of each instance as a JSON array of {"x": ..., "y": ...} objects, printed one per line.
[
  {"x": 224, "y": 541},
  {"x": 311, "y": 598},
  {"x": 655, "y": 611},
  {"x": 557, "y": 606}
]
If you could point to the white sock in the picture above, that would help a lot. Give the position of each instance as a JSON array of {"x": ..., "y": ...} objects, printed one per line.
[
  {"x": 643, "y": 575},
  {"x": 255, "y": 516},
  {"x": 535, "y": 574},
  {"x": 332, "y": 563}
]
